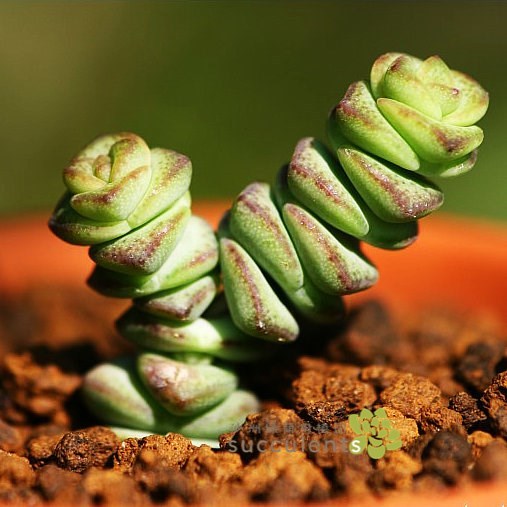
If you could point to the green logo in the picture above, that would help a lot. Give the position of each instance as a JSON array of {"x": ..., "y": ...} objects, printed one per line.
[{"x": 375, "y": 433}]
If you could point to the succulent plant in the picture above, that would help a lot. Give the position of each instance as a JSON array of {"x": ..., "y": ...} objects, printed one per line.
[
  {"x": 411, "y": 120},
  {"x": 132, "y": 206},
  {"x": 287, "y": 252}
]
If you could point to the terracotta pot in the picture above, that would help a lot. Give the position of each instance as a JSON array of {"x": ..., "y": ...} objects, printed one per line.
[{"x": 455, "y": 262}]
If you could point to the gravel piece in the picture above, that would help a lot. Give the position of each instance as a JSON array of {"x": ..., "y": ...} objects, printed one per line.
[
  {"x": 79, "y": 450},
  {"x": 468, "y": 407},
  {"x": 411, "y": 395},
  {"x": 477, "y": 367},
  {"x": 494, "y": 401},
  {"x": 284, "y": 476},
  {"x": 448, "y": 456}
]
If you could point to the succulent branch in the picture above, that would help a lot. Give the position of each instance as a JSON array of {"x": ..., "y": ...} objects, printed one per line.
[
  {"x": 132, "y": 205},
  {"x": 412, "y": 119},
  {"x": 287, "y": 252}
]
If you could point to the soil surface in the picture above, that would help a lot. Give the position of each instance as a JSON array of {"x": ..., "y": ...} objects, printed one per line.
[{"x": 441, "y": 377}]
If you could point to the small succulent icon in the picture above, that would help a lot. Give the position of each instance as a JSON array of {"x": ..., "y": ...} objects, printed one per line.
[{"x": 375, "y": 433}]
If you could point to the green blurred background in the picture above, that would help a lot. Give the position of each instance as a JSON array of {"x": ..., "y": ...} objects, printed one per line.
[{"x": 232, "y": 84}]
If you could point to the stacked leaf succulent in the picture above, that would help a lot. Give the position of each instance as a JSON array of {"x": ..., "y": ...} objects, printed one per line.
[
  {"x": 412, "y": 119},
  {"x": 132, "y": 205},
  {"x": 288, "y": 252}
]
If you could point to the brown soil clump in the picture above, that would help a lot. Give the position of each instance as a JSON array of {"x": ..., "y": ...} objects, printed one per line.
[
  {"x": 78, "y": 451},
  {"x": 494, "y": 401}
]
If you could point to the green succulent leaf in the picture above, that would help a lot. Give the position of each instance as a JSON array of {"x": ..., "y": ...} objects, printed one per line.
[
  {"x": 315, "y": 178},
  {"x": 184, "y": 388},
  {"x": 394, "y": 434},
  {"x": 255, "y": 307},
  {"x": 376, "y": 452},
  {"x": 363, "y": 124},
  {"x": 355, "y": 424},
  {"x": 366, "y": 414},
  {"x": 365, "y": 426},
  {"x": 381, "y": 413},
  {"x": 394, "y": 446},
  {"x": 185, "y": 303}
]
